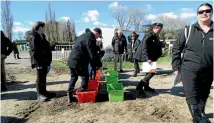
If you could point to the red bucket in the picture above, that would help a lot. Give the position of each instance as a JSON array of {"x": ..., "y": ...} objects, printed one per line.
[{"x": 86, "y": 96}]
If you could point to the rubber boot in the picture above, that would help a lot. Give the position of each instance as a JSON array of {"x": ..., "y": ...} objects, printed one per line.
[
  {"x": 203, "y": 105},
  {"x": 135, "y": 73},
  {"x": 139, "y": 90},
  {"x": 147, "y": 88},
  {"x": 196, "y": 113}
]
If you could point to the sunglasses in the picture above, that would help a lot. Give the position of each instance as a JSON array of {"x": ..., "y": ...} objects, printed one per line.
[{"x": 206, "y": 11}]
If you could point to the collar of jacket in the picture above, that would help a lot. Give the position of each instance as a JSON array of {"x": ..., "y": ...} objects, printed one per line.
[
  {"x": 196, "y": 25},
  {"x": 92, "y": 35}
]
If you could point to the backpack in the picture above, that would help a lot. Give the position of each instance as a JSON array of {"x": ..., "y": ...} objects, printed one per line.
[{"x": 187, "y": 33}]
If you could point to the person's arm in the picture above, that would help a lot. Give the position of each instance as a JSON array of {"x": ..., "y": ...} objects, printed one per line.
[
  {"x": 125, "y": 45},
  {"x": 34, "y": 46},
  {"x": 177, "y": 50},
  {"x": 49, "y": 53},
  {"x": 113, "y": 43},
  {"x": 9, "y": 45},
  {"x": 145, "y": 47},
  {"x": 91, "y": 47}
]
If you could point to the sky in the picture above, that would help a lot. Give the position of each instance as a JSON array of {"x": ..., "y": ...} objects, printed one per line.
[{"x": 90, "y": 14}]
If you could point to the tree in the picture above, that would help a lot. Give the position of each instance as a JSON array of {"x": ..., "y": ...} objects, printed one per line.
[
  {"x": 27, "y": 35},
  {"x": 7, "y": 19},
  {"x": 171, "y": 27},
  {"x": 120, "y": 14}
]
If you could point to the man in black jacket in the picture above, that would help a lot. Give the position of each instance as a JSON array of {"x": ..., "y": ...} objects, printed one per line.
[
  {"x": 119, "y": 43},
  {"x": 83, "y": 52},
  {"x": 149, "y": 51},
  {"x": 41, "y": 58},
  {"x": 15, "y": 51},
  {"x": 6, "y": 49},
  {"x": 134, "y": 41}
]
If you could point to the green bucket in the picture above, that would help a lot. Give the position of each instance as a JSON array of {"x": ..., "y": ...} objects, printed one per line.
[
  {"x": 115, "y": 92},
  {"x": 113, "y": 74}
]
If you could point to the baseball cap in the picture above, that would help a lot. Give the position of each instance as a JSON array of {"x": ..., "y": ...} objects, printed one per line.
[
  {"x": 99, "y": 31},
  {"x": 158, "y": 24}
]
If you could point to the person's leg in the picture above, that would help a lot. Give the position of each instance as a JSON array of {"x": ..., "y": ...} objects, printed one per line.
[
  {"x": 205, "y": 86},
  {"x": 41, "y": 85},
  {"x": 14, "y": 54},
  {"x": 3, "y": 75},
  {"x": 18, "y": 56},
  {"x": 121, "y": 62},
  {"x": 85, "y": 77},
  {"x": 146, "y": 81},
  {"x": 191, "y": 84},
  {"x": 115, "y": 62},
  {"x": 73, "y": 80},
  {"x": 136, "y": 67}
]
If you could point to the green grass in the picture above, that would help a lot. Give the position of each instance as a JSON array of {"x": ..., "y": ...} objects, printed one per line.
[
  {"x": 58, "y": 63},
  {"x": 166, "y": 59},
  {"x": 61, "y": 66}
]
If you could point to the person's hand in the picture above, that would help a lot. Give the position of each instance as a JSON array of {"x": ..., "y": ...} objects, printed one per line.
[
  {"x": 150, "y": 62},
  {"x": 176, "y": 72},
  {"x": 49, "y": 68}
]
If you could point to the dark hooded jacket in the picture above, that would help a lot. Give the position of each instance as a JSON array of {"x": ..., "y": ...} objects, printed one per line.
[
  {"x": 83, "y": 52},
  {"x": 6, "y": 45},
  {"x": 119, "y": 44},
  {"x": 40, "y": 50},
  {"x": 150, "y": 48}
]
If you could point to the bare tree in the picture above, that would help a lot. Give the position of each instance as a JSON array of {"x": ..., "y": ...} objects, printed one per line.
[
  {"x": 120, "y": 14},
  {"x": 7, "y": 19},
  {"x": 171, "y": 26},
  {"x": 136, "y": 18}
]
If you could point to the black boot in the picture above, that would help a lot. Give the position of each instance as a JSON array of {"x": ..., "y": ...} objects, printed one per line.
[
  {"x": 71, "y": 98},
  {"x": 135, "y": 73},
  {"x": 147, "y": 88},
  {"x": 140, "y": 92},
  {"x": 196, "y": 113},
  {"x": 203, "y": 105}
]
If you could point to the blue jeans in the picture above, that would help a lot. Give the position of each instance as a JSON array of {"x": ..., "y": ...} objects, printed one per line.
[{"x": 83, "y": 73}]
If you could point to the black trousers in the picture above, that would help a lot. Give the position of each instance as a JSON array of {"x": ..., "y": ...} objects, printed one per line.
[
  {"x": 196, "y": 85},
  {"x": 3, "y": 74},
  {"x": 41, "y": 80},
  {"x": 83, "y": 73},
  {"x": 136, "y": 65},
  {"x": 148, "y": 77}
]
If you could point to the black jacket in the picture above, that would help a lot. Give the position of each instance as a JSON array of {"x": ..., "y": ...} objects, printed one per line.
[
  {"x": 119, "y": 44},
  {"x": 199, "y": 50},
  {"x": 6, "y": 45},
  {"x": 83, "y": 52},
  {"x": 150, "y": 48},
  {"x": 40, "y": 50},
  {"x": 136, "y": 43}
]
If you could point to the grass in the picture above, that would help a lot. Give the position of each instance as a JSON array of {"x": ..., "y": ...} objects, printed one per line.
[
  {"x": 166, "y": 59},
  {"x": 61, "y": 66}
]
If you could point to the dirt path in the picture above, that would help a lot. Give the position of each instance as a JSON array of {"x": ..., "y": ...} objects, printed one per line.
[{"x": 19, "y": 103}]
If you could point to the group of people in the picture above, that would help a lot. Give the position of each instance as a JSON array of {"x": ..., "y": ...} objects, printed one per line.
[{"x": 195, "y": 65}]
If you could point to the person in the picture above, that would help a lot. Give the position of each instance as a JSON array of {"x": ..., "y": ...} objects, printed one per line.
[
  {"x": 6, "y": 49},
  {"x": 196, "y": 65},
  {"x": 83, "y": 52},
  {"x": 41, "y": 58},
  {"x": 15, "y": 51},
  {"x": 119, "y": 43},
  {"x": 134, "y": 45},
  {"x": 148, "y": 51}
]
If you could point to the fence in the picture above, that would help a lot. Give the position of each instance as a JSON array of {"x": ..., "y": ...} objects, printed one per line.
[{"x": 62, "y": 52}]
